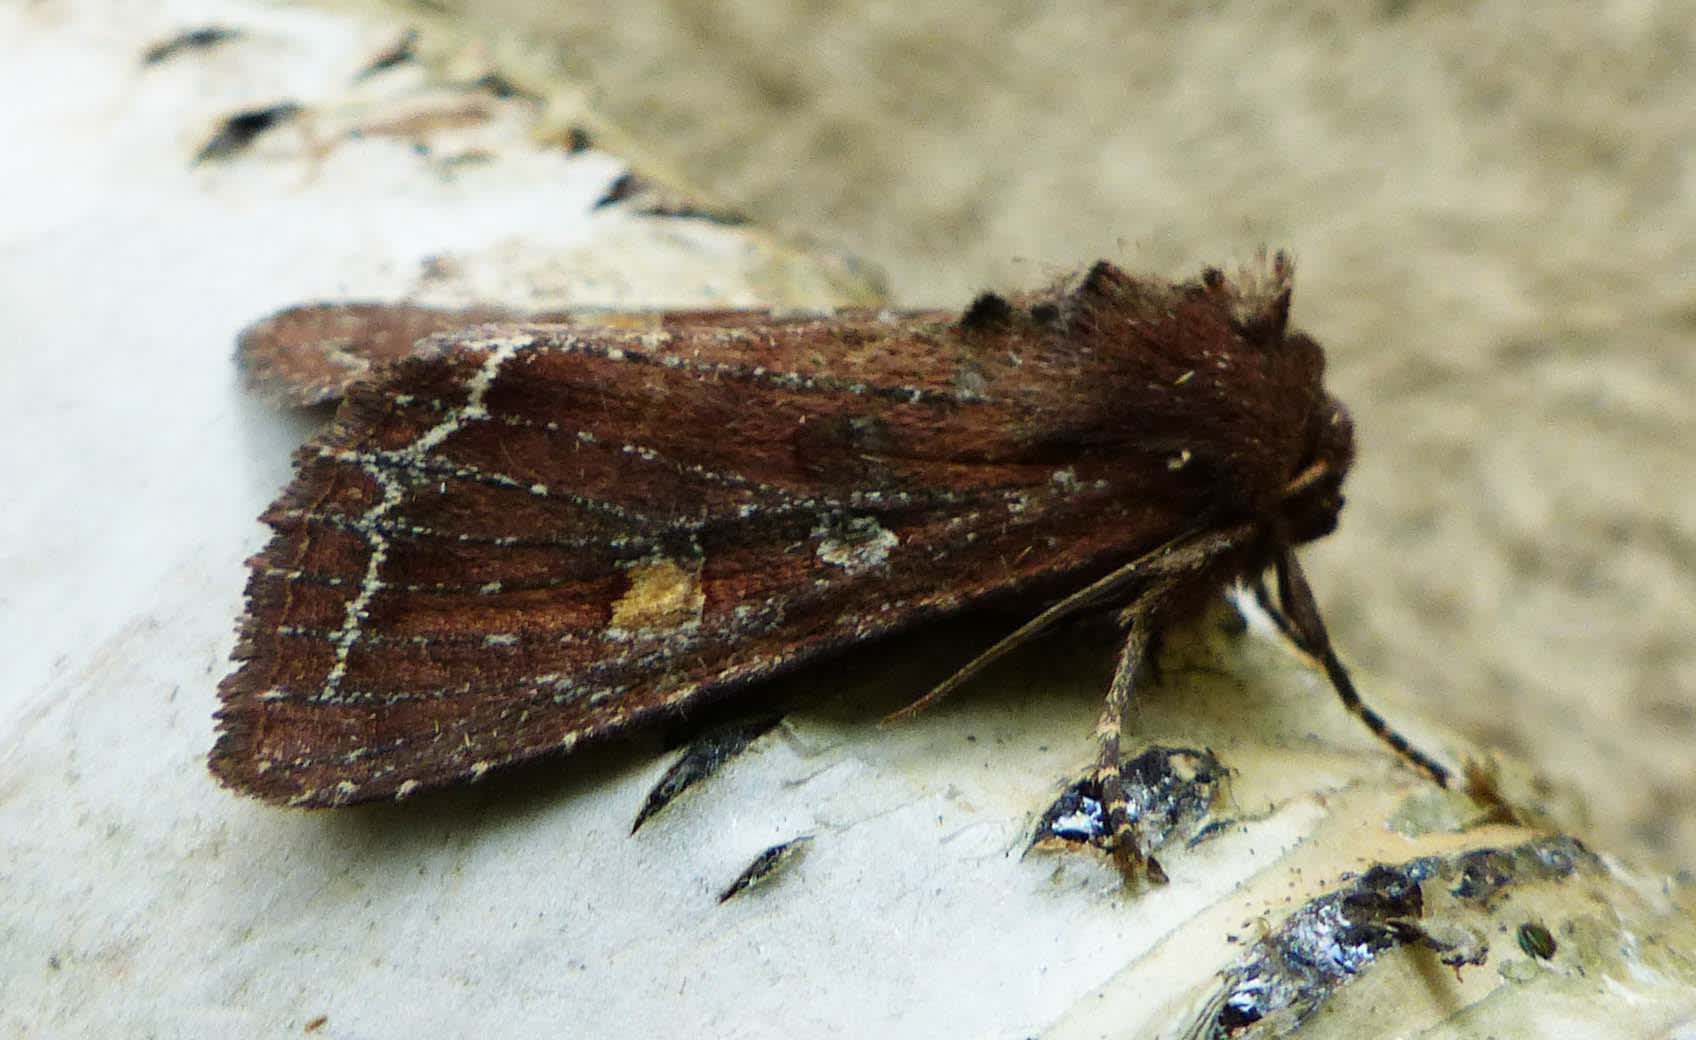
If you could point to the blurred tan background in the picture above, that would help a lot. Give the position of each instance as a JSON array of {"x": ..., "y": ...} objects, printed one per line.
[{"x": 1493, "y": 210}]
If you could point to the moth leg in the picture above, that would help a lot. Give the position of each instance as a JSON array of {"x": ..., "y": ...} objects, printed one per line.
[
  {"x": 1311, "y": 636},
  {"x": 1263, "y": 599},
  {"x": 1128, "y": 853}
]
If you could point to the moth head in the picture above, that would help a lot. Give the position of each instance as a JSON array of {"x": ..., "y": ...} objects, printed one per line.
[{"x": 1313, "y": 498}]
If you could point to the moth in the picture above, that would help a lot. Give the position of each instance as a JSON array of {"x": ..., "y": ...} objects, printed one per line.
[{"x": 520, "y": 538}]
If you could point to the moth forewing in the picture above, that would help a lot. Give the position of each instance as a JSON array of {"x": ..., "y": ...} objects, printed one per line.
[{"x": 525, "y": 537}]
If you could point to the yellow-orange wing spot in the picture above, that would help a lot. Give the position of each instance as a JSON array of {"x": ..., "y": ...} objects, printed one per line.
[{"x": 662, "y": 595}]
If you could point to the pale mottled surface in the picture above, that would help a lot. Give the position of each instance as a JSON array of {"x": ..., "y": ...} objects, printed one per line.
[{"x": 1493, "y": 209}]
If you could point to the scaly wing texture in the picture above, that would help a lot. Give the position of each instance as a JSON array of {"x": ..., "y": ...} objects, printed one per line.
[{"x": 525, "y": 537}]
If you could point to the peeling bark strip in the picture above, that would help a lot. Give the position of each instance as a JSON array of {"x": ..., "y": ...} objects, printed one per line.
[
  {"x": 192, "y": 40},
  {"x": 701, "y": 759},
  {"x": 1439, "y": 902},
  {"x": 765, "y": 867},
  {"x": 238, "y": 130},
  {"x": 518, "y": 538}
]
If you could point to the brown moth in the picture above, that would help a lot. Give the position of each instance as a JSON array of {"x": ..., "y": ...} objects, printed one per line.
[{"x": 524, "y": 537}]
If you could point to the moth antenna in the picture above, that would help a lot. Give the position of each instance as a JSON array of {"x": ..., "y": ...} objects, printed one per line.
[
  {"x": 1303, "y": 614},
  {"x": 1085, "y": 597},
  {"x": 1182, "y": 555}
]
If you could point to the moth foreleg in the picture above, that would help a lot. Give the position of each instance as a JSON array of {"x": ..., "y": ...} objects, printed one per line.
[{"x": 1140, "y": 637}]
